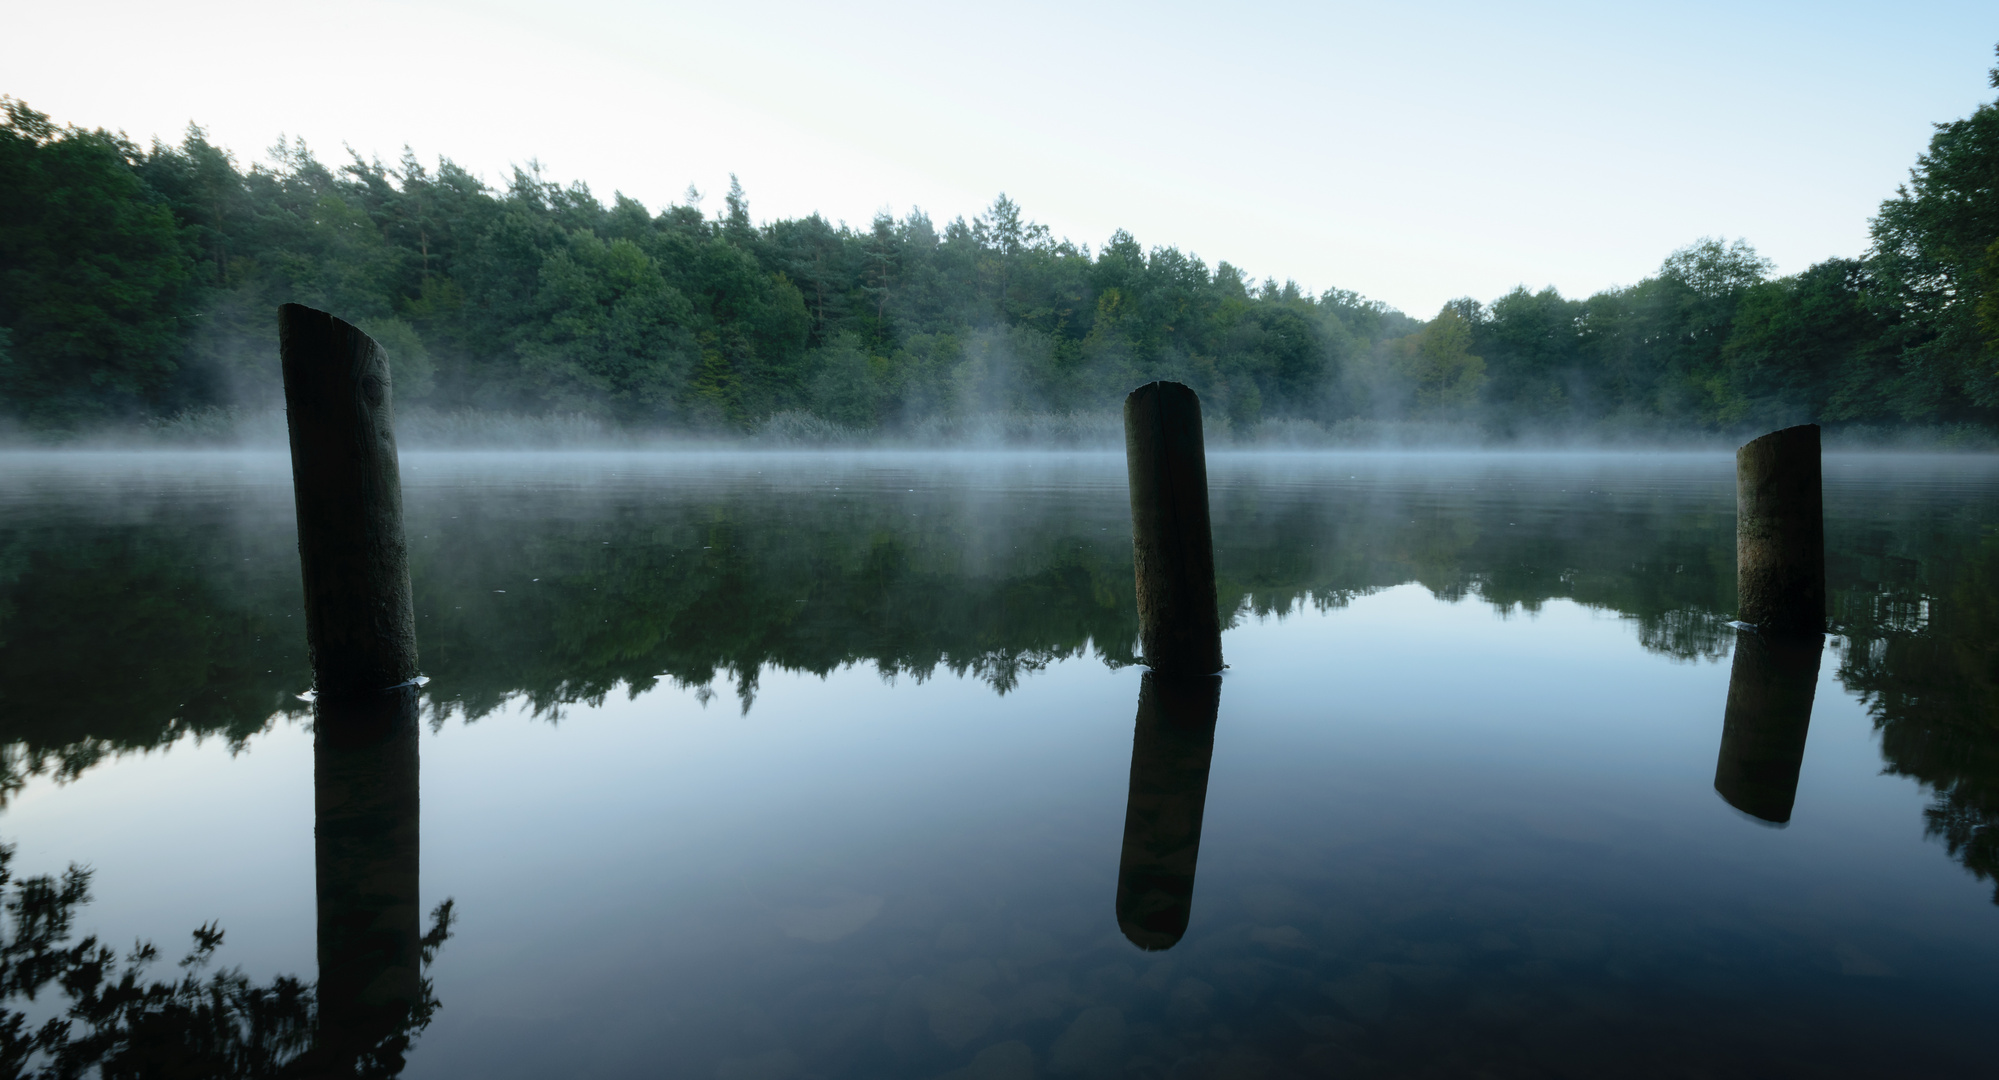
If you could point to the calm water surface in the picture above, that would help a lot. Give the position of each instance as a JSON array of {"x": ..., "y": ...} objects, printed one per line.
[{"x": 776, "y": 766}]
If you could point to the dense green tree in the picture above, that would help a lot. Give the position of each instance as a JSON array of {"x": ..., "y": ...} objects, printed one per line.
[
  {"x": 1816, "y": 346},
  {"x": 92, "y": 271},
  {"x": 1936, "y": 251},
  {"x": 1533, "y": 356},
  {"x": 611, "y": 329},
  {"x": 845, "y": 389},
  {"x": 1439, "y": 366}
]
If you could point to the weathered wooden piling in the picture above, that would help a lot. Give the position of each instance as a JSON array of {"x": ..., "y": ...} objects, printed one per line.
[
  {"x": 1780, "y": 532},
  {"x": 1173, "y": 743},
  {"x": 1173, "y": 552},
  {"x": 360, "y": 625},
  {"x": 366, "y": 815},
  {"x": 1770, "y": 689},
  {"x": 360, "y": 629}
]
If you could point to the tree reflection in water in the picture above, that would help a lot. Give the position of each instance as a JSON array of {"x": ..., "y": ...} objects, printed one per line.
[
  {"x": 373, "y": 996},
  {"x": 612, "y": 590},
  {"x": 118, "y": 1020},
  {"x": 1925, "y": 658}
]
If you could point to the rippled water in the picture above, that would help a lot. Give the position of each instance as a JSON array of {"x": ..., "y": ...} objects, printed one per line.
[{"x": 812, "y": 766}]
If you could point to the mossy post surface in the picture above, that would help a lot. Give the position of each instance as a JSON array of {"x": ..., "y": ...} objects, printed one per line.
[
  {"x": 1770, "y": 691},
  {"x": 1173, "y": 550},
  {"x": 1780, "y": 532},
  {"x": 359, "y": 621},
  {"x": 1172, "y": 745}
]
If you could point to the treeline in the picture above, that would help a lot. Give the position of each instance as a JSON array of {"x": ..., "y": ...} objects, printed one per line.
[{"x": 142, "y": 282}]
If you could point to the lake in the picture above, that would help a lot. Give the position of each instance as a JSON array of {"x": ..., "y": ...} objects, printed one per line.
[{"x": 842, "y": 765}]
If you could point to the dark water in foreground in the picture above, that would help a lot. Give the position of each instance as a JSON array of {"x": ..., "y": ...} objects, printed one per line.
[{"x": 790, "y": 766}]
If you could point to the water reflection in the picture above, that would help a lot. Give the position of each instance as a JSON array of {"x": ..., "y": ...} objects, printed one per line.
[
  {"x": 1359, "y": 914},
  {"x": 1923, "y": 652},
  {"x": 1763, "y": 730},
  {"x": 373, "y": 996},
  {"x": 1172, "y": 744},
  {"x": 563, "y": 589}
]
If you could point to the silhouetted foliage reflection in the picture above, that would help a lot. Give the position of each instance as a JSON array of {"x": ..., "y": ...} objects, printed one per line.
[
  {"x": 1926, "y": 660},
  {"x": 119, "y": 1022}
]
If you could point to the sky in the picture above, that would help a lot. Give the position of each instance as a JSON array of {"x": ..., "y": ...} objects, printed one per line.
[{"x": 1411, "y": 152}]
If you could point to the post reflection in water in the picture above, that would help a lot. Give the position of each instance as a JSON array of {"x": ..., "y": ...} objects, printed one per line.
[
  {"x": 1171, "y": 748},
  {"x": 372, "y": 993},
  {"x": 1763, "y": 731}
]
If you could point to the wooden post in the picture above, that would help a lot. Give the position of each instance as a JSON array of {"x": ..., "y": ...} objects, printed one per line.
[
  {"x": 366, "y": 816},
  {"x": 1172, "y": 745},
  {"x": 1780, "y": 533},
  {"x": 1173, "y": 551},
  {"x": 1770, "y": 689},
  {"x": 360, "y": 629},
  {"x": 360, "y": 626}
]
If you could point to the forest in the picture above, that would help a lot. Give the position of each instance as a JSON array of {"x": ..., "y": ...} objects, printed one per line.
[{"x": 138, "y": 285}]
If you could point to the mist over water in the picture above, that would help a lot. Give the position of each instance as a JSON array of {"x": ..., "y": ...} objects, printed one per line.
[
  {"x": 469, "y": 430},
  {"x": 823, "y": 762},
  {"x": 1291, "y": 528}
]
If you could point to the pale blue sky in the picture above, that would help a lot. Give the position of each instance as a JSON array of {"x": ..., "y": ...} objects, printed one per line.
[{"x": 1412, "y": 152}]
